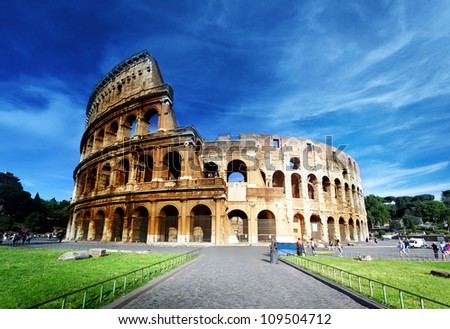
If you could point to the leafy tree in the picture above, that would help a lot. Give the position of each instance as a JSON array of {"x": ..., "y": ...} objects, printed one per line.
[
  {"x": 433, "y": 211},
  {"x": 423, "y": 197},
  {"x": 411, "y": 222},
  {"x": 377, "y": 212}
]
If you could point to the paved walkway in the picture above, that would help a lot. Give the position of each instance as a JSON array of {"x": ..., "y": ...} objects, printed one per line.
[{"x": 237, "y": 277}]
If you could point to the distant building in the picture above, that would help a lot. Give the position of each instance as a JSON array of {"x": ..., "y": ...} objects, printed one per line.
[
  {"x": 141, "y": 178},
  {"x": 7, "y": 178}
]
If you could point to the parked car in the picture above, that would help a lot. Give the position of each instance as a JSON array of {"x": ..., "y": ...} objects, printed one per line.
[{"x": 417, "y": 243}]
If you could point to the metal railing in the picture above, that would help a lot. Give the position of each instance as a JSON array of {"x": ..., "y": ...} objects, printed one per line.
[
  {"x": 106, "y": 291},
  {"x": 380, "y": 292}
]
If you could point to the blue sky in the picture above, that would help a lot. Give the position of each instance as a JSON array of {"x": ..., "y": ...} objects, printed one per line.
[{"x": 375, "y": 75}]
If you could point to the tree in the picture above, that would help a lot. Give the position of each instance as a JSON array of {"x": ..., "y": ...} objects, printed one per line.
[
  {"x": 377, "y": 212},
  {"x": 411, "y": 222},
  {"x": 434, "y": 212}
]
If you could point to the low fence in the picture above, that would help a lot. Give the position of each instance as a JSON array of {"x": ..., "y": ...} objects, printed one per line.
[
  {"x": 105, "y": 292},
  {"x": 380, "y": 292}
]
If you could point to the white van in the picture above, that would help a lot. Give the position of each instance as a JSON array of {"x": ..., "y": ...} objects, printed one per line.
[{"x": 417, "y": 243}]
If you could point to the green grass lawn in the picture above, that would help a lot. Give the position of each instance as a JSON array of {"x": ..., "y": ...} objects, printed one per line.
[
  {"x": 30, "y": 276},
  {"x": 411, "y": 276}
]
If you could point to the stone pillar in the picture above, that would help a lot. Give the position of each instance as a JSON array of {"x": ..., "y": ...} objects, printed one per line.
[
  {"x": 151, "y": 232},
  {"x": 183, "y": 226}
]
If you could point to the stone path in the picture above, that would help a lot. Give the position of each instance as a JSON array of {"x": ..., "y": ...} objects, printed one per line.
[{"x": 238, "y": 278}]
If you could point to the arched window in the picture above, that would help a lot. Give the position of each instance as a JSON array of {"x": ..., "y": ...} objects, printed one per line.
[
  {"x": 201, "y": 224},
  {"x": 100, "y": 138},
  {"x": 99, "y": 223},
  {"x": 211, "y": 170},
  {"x": 117, "y": 225},
  {"x": 172, "y": 165},
  {"x": 294, "y": 163},
  {"x": 337, "y": 189},
  {"x": 123, "y": 172},
  {"x": 312, "y": 186},
  {"x": 239, "y": 224},
  {"x": 169, "y": 224},
  {"x": 111, "y": 132},
  {"x": 140, "y": 225},
  {"x": 236, "y": 171},
  {"x": 105, "y": 176},
  {"x": 326, "y": 184},
  {"x": 296, "y": 184},
  {"x": 278, "y": 179},
  {"x": 150, "y": 121},
  {"x": 130, "y": 126}
]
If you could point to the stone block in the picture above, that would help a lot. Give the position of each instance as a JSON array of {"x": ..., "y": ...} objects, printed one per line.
[
  {"x": 365, "y": 257},
  {"x": 97, "y": 252},
  {"x": 74, "y": 255}
]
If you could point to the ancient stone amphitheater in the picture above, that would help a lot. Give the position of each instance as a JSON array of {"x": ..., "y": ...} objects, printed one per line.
[{"x": 141, "y": 178}]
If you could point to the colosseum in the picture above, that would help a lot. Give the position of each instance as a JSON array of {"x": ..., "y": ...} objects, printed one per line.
[{"x": 142, "y": 178}]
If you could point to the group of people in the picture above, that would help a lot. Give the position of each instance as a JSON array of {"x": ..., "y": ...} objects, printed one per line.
[
  {"x": 442, "y": 246},
  {"x": 301, "y": 247},
  {"x": 16, "y": 238}
]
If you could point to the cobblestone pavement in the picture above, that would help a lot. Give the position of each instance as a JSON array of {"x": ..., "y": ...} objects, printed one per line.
[{"x": 242, "y": 278}]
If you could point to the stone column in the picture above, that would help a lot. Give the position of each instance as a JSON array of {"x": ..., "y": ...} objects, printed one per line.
[
  {"x": 151, "y": 232},
  {"x": 183, "y": 226}
]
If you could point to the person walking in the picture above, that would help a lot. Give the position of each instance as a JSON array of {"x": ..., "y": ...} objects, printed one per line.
[
  {"x": 300, "y": 248},
  {"x": 313, "y": 247},
  {"x": 401, "y": 247},
  {"x": 435, "y": 248},
  {"x": 339, "y": 248}
]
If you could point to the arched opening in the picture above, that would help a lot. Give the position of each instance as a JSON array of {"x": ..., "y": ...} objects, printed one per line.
[
  {"x": 351, "y": 229},
  {"x": 100, "y": 138},
  {"x": 358, "y": 231},
  {"x": 111, "y": 132},
  {"x": 236, "y": 171},
  {"x": 150, "y": 121},
  {"x": 296, "y": 186},
  {"x": 201, "y": 224},
  {"x": 342, "y": 229},
  {"x": 139, "y": 226},
  {"x": 147, "y": 168},
  {"x": 105, "y": 176},
  {"x": 211, "y": 170},
  {"x": 312, "y": 186},
  {"x": 239, "y": 223},
  {"x": 348, "y": 195},
  {"x": 294, "y": 163},
  {"x": 326, "y": 186},
  {"x": 316, "y": 227},
  {"x": 117, "y": 225},
  {"x": 267, "y": 229},
  {"x": 85, "y": 226},
  {"x": 92, "y": 180},
  {"x": 337, "y": 189},
  {"x": 278, "y": 179},
  {"x": 129, "y": 126},
  {"x": 331, "y": 229},
  {"x": 99, "y": 224},
  {"x": 298, "y": 218},
  {"x": 172, "y": 165},
  {"x": 123, "y": 172},
  {"x": 168, "y": 224}
]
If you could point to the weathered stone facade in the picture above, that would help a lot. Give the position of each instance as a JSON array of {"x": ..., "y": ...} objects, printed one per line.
[{"x": 141, "y": 178}]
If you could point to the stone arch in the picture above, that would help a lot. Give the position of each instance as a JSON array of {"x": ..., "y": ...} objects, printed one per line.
[
  {"x": 211, "y": 170},
  {"x": 351, "y": 229},
  {"x": 267, "y": 229},
  {"x": 129, "y": 126},
  {"x": 118, "y": 221},
  {"x": 316, "y": 227},
  {"x": 337, "y": 189},
  {"x": 112, "y": 132},
  {"x": 92, "y": 177},
  {"x": 358, "y": 230},
  {"x": 278, "y": 179},
  {"x": 236, "y": 171},
  {"x": 145, "y": 168},
  {"x": 326, "y": 186},
  {"x": 172, "y": 165},
  {"x": 331, "y": 229},
  {"x": 300, "y": 221},
  {"x": 123, "y": 172},
  {"x": 347, "y": 194},
  {"x": 168, "y": 228},
  {"x": 84, "y": 229},
  {"x": 100, "y": 139},
  {"x": 150, "y": 121},
  {"x": 239, "y": 224},
  {"x": 139, "y": 224},
  {"x": 342, "y": 226},
  {"x": 105, "y": 176},
  {"x": 201, "y": 223},
  {"x": 294, "y": 163},
  {"x": 312, "y": 186},
  {"x": 99, "y": 224},
  {"x": 296, "y": 184}
]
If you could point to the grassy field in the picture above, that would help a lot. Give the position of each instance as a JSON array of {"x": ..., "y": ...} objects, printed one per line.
[
  {"x": 30, "y": 276},
  {"x": 410, "y": 276}
]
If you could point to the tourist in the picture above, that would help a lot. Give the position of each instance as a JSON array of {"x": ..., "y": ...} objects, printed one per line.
[
  {"x": 339, "y": 248},
  {"x": 401, "y": 247},
  {"x": 407, "y": 245},
  {"x": 313, "y": 247},
  {"x": 300, "y": 248},
  {"x": 446, "y": 250},
  {"x": 441, "y": 247},
  {"x": 435, "y": 248},
  {"x": 28, "y": 240}
]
